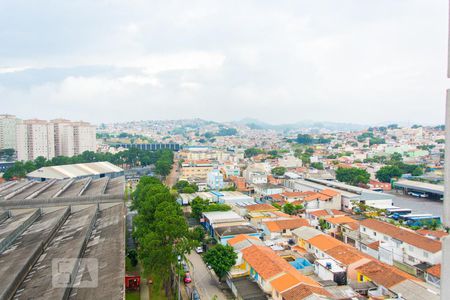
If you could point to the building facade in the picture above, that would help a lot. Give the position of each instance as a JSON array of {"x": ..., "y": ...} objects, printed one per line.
[{"x": 8, "y": 125}]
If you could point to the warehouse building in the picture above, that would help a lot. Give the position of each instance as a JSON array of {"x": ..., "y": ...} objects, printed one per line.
[{"x": 93, "y": 170}]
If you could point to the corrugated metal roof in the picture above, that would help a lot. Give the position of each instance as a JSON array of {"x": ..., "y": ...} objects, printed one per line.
[{"x": 75, "y": 170}]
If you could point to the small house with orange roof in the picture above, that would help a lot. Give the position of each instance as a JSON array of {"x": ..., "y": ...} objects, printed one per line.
[
  {"x": 282, "y": 228},
  {"x": 320, "y": 244},
  {"x": 392, "y": 282},
  {"x": 350, "y": 258},
  {"x": 315, "y": 215}
]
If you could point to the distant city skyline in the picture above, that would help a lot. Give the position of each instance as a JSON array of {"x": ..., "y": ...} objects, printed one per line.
[{"x": 356, "y": 62}]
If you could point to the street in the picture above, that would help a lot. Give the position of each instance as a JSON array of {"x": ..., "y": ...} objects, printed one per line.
[{"x": 204, "y": 281}]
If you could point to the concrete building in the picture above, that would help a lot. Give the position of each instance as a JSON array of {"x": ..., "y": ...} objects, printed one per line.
[
  {"x": 195, "y": 169},
  {"x": 35, "y": 138},
  {"x": 8, "y": 125},
  {"x": 84, "y": 137},
  {"x": 64, "y": 138},
  {"x": 58, "y": 137},
  {"x": 215, "y": 180}
]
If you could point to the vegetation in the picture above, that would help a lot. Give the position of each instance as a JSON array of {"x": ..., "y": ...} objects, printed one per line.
[
  {"x": 221, "y": 259},
  {"x": 292, "y": 209},
  {"x": 306, "y": 139},
  {"x": 387, "y": 173},
  {"x": 183, "y": 186},
  {"x": 163, "y": 160},
  {"x": 160, "y": 230},
  {"x": 278, "y": 171},
  {"x": 199, "y": 206},
  {"x": 250, "y": 152},
  {"x": 353, "y": 176},
  {"x": 376, "y": 141},
  {"x": 317, "y": 165}
]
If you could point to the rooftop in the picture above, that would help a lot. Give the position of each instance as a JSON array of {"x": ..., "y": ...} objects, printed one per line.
[
  {"x": 403, "y": 235},
  {"x": 75, "y": 170}
]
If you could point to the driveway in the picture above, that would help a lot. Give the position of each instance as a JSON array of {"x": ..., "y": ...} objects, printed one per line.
[{"x": 205, "y": 282}]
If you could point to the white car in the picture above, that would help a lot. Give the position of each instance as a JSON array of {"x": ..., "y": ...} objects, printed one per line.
[{"x": 199, "y": 250}]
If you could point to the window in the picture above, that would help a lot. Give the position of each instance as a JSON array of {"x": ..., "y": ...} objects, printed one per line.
[
  {"x": 411, "y": 248},
  {"x": 364, "y": 229},
  {"x": 385, "y": 238},
  {"x": 425, "y": 254},
  {"x": 361, "y": 277},
  {"x": 374, "y": 233}
]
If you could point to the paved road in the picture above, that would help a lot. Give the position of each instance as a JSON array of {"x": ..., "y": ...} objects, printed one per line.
[
  {"x": 419, "y": 205},
  {"x": 204, "y": 281}
]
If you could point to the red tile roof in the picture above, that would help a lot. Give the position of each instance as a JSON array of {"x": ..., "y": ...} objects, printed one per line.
[
  {"x": 325, "y": 212},
  {"x": 404, "y": 235},
  {"x": 346, "y": 254},
  {"x": 261, "y": 207},
  {"x": 280, "y": 225},
  {"x": 324, "y": 242},
  {"x": 303, "y": 291},
  {"x": 435, "y": 271},
  {"x": 239, "y": 238},
  {"x": 383, "y": 274}
]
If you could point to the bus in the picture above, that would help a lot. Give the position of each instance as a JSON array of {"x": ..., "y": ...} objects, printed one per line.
[{"x": 420, "y": 219}]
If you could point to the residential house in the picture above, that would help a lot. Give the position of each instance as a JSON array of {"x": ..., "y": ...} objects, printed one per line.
[
  {"x": 433, "y": 275},
  {"x": 315, "y": 215},
  {"x": 282, "y": 228},
  {"x": 303, "y": 234},
  {"x": 393, "y": 283},
  {"x": 401, "y": 245},
  {"x": 350, "y": 258}
]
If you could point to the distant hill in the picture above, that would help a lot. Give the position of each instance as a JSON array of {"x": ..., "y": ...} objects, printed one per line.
[{"x": 302, "y": 125}]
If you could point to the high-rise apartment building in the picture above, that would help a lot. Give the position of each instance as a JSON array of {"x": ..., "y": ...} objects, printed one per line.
[
  {"x": 84, "y": 137},
  {"x": 64, "y": 137},
  {"x": 35, "y": 138},
  {"x": 8, "y": 125},
  {"x": 58, "y": 137}
]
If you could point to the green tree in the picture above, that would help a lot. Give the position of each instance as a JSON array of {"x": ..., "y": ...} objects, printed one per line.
[
  {"x": 278, "y": 171},
  {"x": 250, "y": 152},
  {"x": 221, "y": 259},
  {"x": 353, "y": 176},
  {"x": 198, "y": 234},
  {"x": 198, "y": 206},
  {"x": 304, "y": 139},
  {"x": 386, "y": 173},
  {"x": 317, "y": 165}
]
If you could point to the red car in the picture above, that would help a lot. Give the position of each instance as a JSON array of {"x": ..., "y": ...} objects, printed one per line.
[{"x": 187, "y": 278}]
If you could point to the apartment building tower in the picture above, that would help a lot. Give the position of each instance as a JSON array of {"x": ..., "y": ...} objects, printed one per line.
[
  {"x": 84, "y": 137},
  {"x": 8, "y": 125},
  {"x": 35, "y": 138},
  {"x": 57, "y": 137}
]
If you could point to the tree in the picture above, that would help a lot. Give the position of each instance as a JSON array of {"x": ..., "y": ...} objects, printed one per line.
[
  {"x": 440, "y": 141},
  {"x": 198, "y": 234},
  {"x": 278, "y": 171},
  {"x": 250, "y": 152},
  {"x": 317, "y": 165},
  {"x": 376, "y": 141},
  {"x": 353, "y": 176},
  {"x": 197, "y": 207},
  {"x": 304, "y": 139},
  {"x": 292, "y": 209},
  {"x": 386, "y": 173},
  {"x": 221, "y": 259}
]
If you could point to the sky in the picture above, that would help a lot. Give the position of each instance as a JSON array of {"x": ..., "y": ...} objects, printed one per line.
[{"x": 353, "y": 61}]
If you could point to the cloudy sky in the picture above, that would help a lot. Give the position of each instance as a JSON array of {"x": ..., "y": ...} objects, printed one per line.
[{"x": 357, "y": 61}]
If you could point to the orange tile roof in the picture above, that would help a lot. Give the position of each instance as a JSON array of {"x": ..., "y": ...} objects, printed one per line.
[
  {"x": 436, "y": 233},
  {"x": 383, "y": 274},
  {"x": 239, "y": 238},
  {"x": 303, "y": 291},
  {"x": 261, "y": 207},
  {"x": 404, "y": 235},
  {"x": 316, "y": 196},
  {"x": 374, "y": 245},
  {"x": 435, "y": 271},
  {"x": 281, "y": 214},
  {"x": 324, "y": 212},
  {"x": 330, "y": 193},
  {"x": 284, "y": 282},
  {"x": 345, "y": 254},
  {"x": 340, "y": 220},
  {"x": 324, "y": 242},
  {"x": 279, "y": 225},
  {"x": 264, "y": 261}
]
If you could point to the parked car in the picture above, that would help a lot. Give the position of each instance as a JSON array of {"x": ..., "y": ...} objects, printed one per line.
[
  {"x": 187, "y": 278},
  {"x": 199, "y": 249},
  {"x": 185, "y": 266},
  {"x": 418, "y": 194}
]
